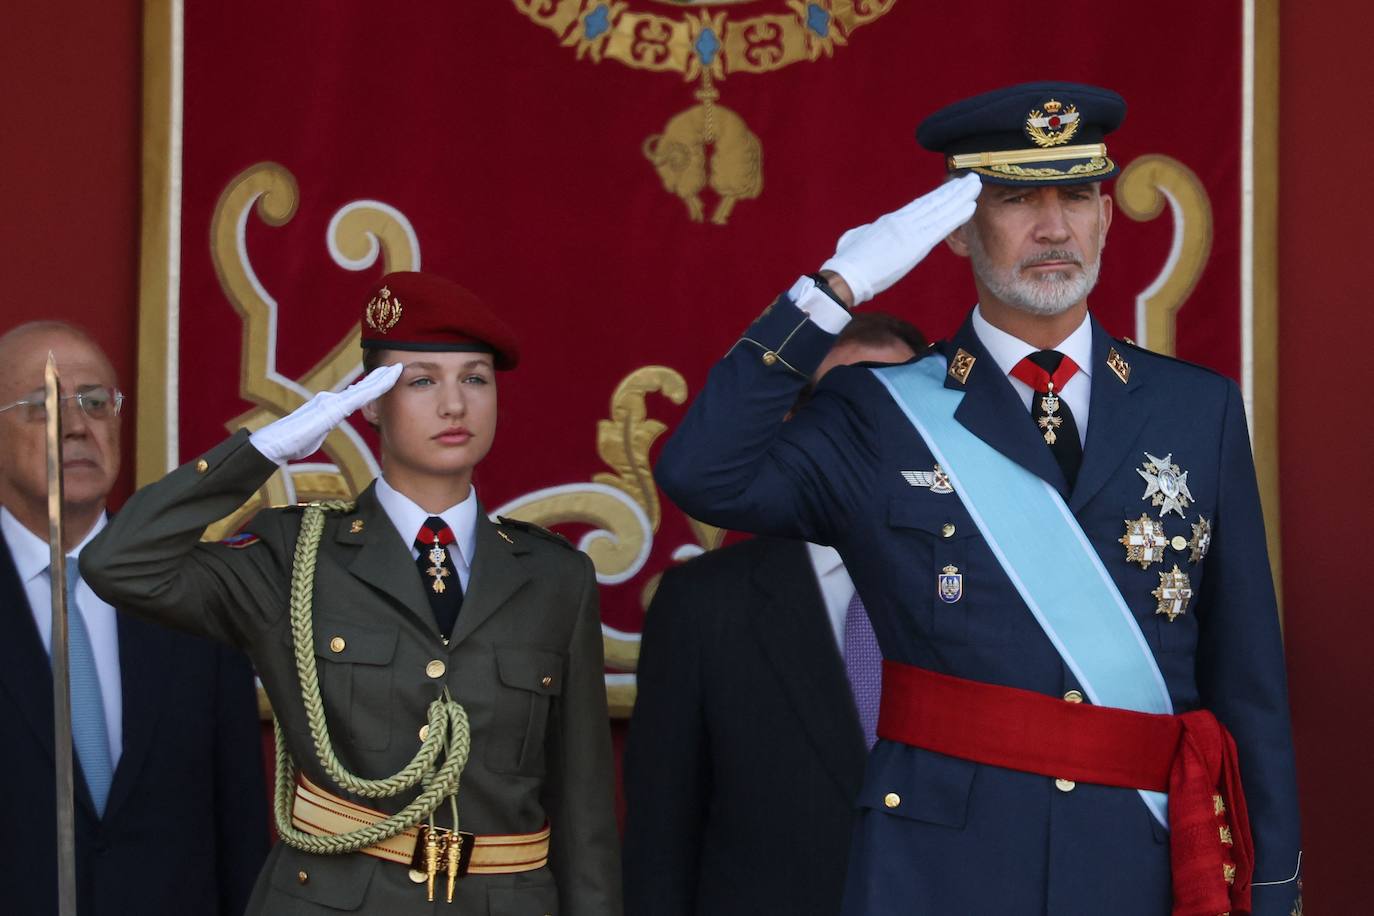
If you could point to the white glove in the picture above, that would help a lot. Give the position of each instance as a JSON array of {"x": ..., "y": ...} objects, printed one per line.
[
  {"x": 873, "y": 257},
  {"x": 302, "y": 432}
]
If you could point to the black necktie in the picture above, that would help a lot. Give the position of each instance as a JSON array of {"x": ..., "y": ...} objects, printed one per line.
[
  {"x": 1047, "y": 407},
  {"x": 442, "y": 587}
]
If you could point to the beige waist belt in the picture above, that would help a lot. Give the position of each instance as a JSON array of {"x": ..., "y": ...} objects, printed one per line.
[{"x": 321, "y": 813}]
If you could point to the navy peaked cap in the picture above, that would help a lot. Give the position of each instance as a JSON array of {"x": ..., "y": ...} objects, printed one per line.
[{"x": 1032, "y": 133}]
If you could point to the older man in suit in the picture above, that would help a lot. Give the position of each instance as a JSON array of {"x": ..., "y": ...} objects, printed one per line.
[
  {"x": 753, "y": 655},
  {"x": 170, "y": 804}
]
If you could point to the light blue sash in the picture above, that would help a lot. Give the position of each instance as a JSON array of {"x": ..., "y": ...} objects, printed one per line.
[{"x": 1043, "y": 551}]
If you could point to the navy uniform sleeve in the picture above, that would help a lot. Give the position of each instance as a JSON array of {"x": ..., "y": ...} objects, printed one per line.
[
  {"x": 667, "y": 765},
  {"x": 735, "y": 463},
  {"x": 1240, "y": 667}
]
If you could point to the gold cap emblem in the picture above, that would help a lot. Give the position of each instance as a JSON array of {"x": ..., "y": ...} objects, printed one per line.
[
  {"x": 1054, "y": 124},
  {"x": 383, "y": 311}
]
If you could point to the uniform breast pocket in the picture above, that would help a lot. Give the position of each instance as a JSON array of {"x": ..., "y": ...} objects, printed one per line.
[
  {"x": 528, "y": 683},
  {"x": 355, "y": 668},
  {"x": 937, "y": 534}
]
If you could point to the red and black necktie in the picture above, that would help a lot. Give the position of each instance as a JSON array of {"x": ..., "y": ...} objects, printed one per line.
[
  {"x": 1047, "y": 372},
  {"x": 442, "y": 587}
]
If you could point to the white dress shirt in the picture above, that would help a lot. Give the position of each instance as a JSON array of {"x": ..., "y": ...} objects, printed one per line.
[
  {"x": 1007, "y": 351},
  {"x": 837, "y": 589},
  {"x": 408, "y": 519},
  {"x": 31, "y": 560}
]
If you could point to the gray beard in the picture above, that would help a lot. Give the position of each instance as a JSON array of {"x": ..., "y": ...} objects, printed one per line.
[{"x": 1051, "y": 294}]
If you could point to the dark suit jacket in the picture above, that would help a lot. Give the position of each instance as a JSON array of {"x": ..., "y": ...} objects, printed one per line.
[
  {"x": 745, "y": 754},
  {"x": 952, "y": 834},
  {"x": 185, "y": 826}
]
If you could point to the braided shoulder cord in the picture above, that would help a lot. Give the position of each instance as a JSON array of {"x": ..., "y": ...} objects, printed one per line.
[{"x": 448, "y": 729}]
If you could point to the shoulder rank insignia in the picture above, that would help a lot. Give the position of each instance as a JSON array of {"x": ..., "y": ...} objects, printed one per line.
[
  {"x": 531, "y": 528},
  {"x": 1201, "y": 541},
  {"x": 1166, "y": 486},
  {"x": 1144, "y": 541},
  {"x": 1174, "y": 592},
  {"x": 936, "y": 480},
  {"x": 241, "y": 540},
  {"x": 951, "y": 585},
  {"x": 1119, "y": 366},
  {"x": 961, "y": 365}
]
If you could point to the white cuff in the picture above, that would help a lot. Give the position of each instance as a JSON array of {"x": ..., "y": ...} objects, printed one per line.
[{"x": 827, "y": 314}]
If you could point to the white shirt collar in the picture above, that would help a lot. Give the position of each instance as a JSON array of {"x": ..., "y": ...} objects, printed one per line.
[
  {"x": 824, "y": 560},
  {"x": 1007, "y": 350},
  {"x": 31, "y": 553},
  {"x": 408, "y": 517}
]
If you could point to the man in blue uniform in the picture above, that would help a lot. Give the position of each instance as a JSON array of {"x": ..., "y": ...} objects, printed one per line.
[{"x": 1058, "y": 538}]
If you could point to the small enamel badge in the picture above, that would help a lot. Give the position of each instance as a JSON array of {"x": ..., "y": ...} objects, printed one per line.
[
  {"x": 383, "y": 311},
  {"x": 438, "y": 569},
  {"x": 356, "y": 527},
  {"x": 1202, "y": 539},
  {"x": 1166, "y": 485},
  {"x": 1053, "y": 124},
  {"x": 1049, "y": 404},
  {"x": 1174, "y": 592},
  {"x": 1144, "y": 541},
  {"x": 951, "y": 585},
  {"x": 240, "y": 541},
  {"x": 935, "y": 480}
]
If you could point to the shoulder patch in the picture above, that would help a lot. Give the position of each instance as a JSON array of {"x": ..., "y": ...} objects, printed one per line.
[
  {"x": 241, "y": 540},
  {"x": 532, "y": 528}
]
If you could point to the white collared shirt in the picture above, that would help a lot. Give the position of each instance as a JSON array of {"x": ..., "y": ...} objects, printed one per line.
[
  {"x": 837, "y": 589},
  {"x": 408, "y": 519},
  {"x": 1007, "y": 351},
  {"x": 31, "y": 560}
]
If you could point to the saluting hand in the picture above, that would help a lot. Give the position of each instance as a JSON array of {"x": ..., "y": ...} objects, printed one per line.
[
  {"x": 872, "y": 257},
  {"x": 302, "y": 432}
]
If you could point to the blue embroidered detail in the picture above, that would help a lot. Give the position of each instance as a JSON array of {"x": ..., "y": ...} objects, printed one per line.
[
  {"x": 241, "y": 540},
  {"x": 707, "y": 45},
  {"x": 817, "y": 20},
  {"x": 597, "y": 22}
]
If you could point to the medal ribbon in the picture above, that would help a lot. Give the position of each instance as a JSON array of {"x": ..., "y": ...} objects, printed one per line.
[
  {"x": 427, "y": 535},
  {"x": 1039, "y": 379}
]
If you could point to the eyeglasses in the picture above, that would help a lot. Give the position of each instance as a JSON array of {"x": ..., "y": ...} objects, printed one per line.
[{"x": 97, "y": 403}]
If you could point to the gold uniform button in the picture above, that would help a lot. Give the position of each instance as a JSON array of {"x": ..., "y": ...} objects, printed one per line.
[
  {"x": 1065, "y": 785},
  {"x": 769, "y": 358},
  {"x": 546, "y": 681},
  {"x": 201, "y": 467},
  {"x": 435, "y": 668},
  {"x": 892, "y": 799},
  {"x": 424, "y": 732},
  {"x": 1179, "y": 542},
  {"x": 418, "y": 876},
  {"x": 947, "y": 530},
  {"x": 302, "y": 877},
  {"x": 337, "y": 644},
  {"x": 1073, "y": 696}
]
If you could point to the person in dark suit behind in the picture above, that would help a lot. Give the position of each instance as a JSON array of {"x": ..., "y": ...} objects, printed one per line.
[
  {"x": 171, "y": 811},
  {"x": 758, "y": 677}
]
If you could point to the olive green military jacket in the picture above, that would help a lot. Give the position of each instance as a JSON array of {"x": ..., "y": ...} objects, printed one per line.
[{"x": 525, "y": 661}]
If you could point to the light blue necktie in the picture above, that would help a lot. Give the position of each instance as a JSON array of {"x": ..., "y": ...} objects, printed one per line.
[{"x": 90, "y": 733}]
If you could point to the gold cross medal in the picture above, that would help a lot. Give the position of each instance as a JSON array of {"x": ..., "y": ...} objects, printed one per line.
[
  {"x": 1202, "y": 540},
  {"x": 1166, "y": 485},
  {"x": 1049, "y": 403},
  {"x": 438, "y": 556},
  {"x": 1144, "y": 541},
  {"x": 1174, "y": 592}
]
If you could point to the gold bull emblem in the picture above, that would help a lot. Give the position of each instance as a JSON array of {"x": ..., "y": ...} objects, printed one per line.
[{"x": 705, "y": 145}]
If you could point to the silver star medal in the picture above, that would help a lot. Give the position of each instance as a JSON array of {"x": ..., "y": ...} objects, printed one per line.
[{"x": 1166, "y": 485}]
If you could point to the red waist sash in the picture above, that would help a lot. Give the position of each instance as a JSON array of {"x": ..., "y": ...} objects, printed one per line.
[{"x": 1190, "y": 756}]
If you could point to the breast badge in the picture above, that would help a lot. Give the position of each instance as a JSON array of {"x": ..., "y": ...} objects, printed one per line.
[
  {"x": 1166, "y": 486},
  {"x": 1202, "y": 540},
  {"x": 951, "y": 587},
  {"x": 1144, "y": 541},
  {"x": 935, "y": 480},
  {"x": 1174, "y": 592}
]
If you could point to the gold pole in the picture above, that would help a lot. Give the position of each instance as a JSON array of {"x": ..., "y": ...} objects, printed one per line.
[{"x": 61, "y": 685}]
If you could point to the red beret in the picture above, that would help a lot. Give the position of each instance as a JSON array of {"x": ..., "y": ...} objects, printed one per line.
[{"x": 409, "y": 310}]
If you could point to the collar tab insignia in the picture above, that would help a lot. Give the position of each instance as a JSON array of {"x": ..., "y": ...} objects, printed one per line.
[
  {"x": 383, "y": 311},
  {"x": 1053, "y": 124},
  {"x": 962, "y": 365},
  {"x": 1119, "y": 366},
  {"x": 1166, "y": 486}
]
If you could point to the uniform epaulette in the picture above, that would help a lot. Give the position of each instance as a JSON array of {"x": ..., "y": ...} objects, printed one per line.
[
  {"x": 328, "y": 505},
  {"x": 536, "y": 530},
  {"x": 1140, "y": 348}
]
